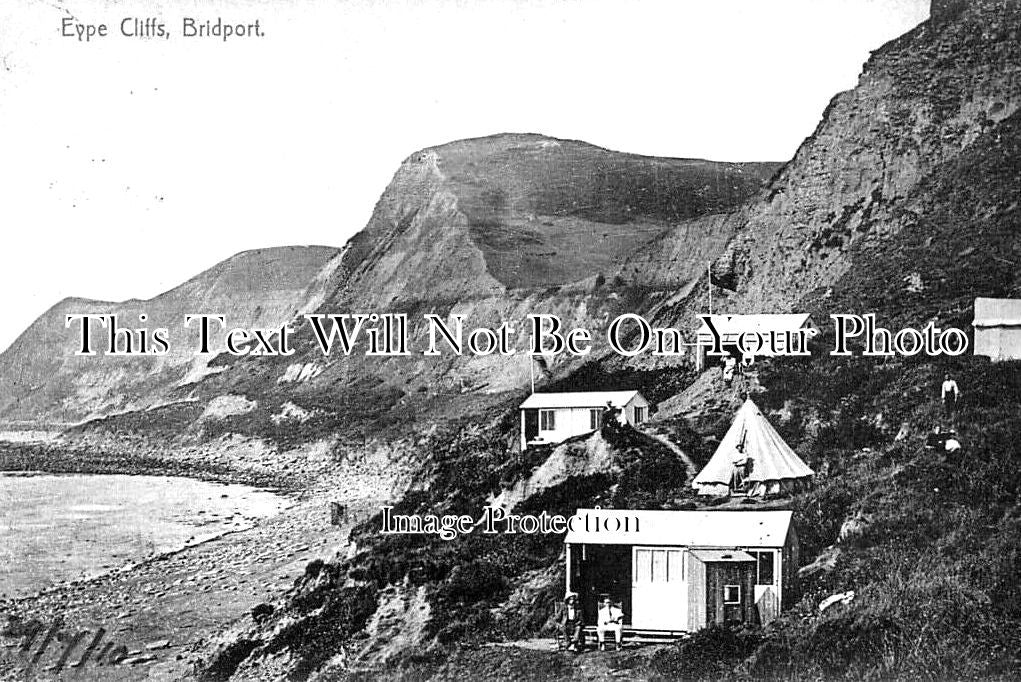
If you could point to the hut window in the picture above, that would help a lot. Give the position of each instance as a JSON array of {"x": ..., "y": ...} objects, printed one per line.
[
  {"x": 658, "y": 566},
  {"x": 731, "y": 594},
  {"x": 639, "y": 415},
  {"x": 595, "y": 419},
  {"x": 547, "y": 420},
  {"x": 764, "y": 568},
  {"x": 643, "y": 565},
  {"x": 674, "y": 566}
]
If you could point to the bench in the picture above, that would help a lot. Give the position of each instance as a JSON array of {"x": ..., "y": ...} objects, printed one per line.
[{"x": 628, "y": 636}]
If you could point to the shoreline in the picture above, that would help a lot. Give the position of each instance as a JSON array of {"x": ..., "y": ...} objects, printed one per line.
[
  {"x": 238, "y": 517},
  {"x": 125, "y": 568},
  {"x": 185, "y": 597},
  {"x": 60, "y": 457}
]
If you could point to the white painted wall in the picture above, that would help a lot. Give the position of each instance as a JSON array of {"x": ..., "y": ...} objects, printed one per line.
[
  {"x": 998, "y": 343},
  {"x": 568, "y": 422},
  {"x": 575, "y": 421}
]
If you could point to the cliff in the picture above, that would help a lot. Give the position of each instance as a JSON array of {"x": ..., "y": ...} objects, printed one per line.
[
  {"x": 43, "y": 380},
  {"x": 869, "y": 170}
]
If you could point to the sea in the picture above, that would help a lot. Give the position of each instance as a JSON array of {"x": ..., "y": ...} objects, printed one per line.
[{"x": 63, "y": 527}]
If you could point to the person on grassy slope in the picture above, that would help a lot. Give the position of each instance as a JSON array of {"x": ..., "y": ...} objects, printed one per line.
[{"x": 950, "y": 394}]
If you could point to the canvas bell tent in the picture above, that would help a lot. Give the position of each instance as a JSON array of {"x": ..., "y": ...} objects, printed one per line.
[{"x": 752, "y": 459}]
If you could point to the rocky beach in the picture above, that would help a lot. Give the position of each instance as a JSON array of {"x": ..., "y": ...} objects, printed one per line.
[{"x": 162, "y": 617}]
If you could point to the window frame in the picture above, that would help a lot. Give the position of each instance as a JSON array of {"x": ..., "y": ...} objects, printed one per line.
[
  {"x": 731, "y": 602},
  {"x": 680, "y": 562},
  {"x": 552, "y": 414},
  {"x": 595, "y": 418},
  {"x": 758, "y": 554},
  {"x": 664, "y": 576}
]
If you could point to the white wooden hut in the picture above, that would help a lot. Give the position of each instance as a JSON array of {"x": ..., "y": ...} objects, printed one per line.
[
  {"x": 679, "y": 571},
  {"x": 554, "y": 417},
  {"x": 998, "y": 328}
]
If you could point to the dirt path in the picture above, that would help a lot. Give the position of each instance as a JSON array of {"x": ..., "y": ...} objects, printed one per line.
[
  {"x": 538, "y": 661},
  {"x": 681, "y": 454}
]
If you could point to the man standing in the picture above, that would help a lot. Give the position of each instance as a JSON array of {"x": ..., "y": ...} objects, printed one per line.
[
  {"x": 729, "y": 363},
  {"x": 611, "y": 619},
  {"x": 950, "y": 394},
  {"x": 610, "y": 418}
]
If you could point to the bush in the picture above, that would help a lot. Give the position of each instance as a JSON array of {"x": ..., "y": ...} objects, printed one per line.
[
  {"x": 313, "y": 568},
  {"x": 471, "y": 627},
  {"x": 710, "y": 654},
  {"x": 473, "y": 582},
  {"x": 262, "y": 612},
  {"x": 228, "y": 659},
  {"x": 315, "y": 638}
]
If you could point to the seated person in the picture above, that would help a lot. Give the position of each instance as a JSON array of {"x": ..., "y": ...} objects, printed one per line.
[
  {"x": 952, "y": 444},
  {"x": 611, "y": 619},
  {"x": 935, "y": 439},
  {"x": 571, "y": 622}
]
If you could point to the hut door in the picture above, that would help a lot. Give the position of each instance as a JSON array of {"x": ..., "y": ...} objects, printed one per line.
[
  {"x": 531, "y": 425},
  {"x": 658, "y": 594}
]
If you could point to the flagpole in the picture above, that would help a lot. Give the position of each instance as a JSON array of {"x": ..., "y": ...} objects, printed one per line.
[
  {"x": 531, "y": 371},
  {"x": 709, "y": 281}
]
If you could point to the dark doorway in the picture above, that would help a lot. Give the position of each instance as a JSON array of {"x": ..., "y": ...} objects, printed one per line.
[
  {"x": 598, "y": 570},
  {"x": 531, "y": 425}
]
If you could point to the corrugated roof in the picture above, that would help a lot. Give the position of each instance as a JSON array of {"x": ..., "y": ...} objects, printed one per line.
[
  {"x": 997, "y": 312},
  {"x": 706, "y": 529},
  {"x": 728, "y": 325},
  {"x": 708, "y": 556},
  {"x": 752, "y": 436},
  {"x": 578, "y": 399}
]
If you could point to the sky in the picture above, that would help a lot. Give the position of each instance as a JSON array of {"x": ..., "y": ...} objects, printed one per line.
[{"x": 129, "y": 165}]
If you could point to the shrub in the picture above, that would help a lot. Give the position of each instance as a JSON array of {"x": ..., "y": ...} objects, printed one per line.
[
  {"x": 710, "y": 654},
  {"x": 473, "y": 582},
  {"x": 315, "y": 638},
  {"x": 313, "y": 568},
  {"x": 227, "y": 660},
  {"x": 262, "y": 612}
]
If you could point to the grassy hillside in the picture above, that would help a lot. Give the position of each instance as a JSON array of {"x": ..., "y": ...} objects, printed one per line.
[
  {"x": 931, "y": 548},
  {"x": 466, "y": 579},
  {"x": 932, "y": 544},
  {"x": 929, "y": 542}
]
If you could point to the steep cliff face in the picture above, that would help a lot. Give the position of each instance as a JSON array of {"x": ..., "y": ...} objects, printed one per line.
[
  {"x": 42, "y": 379},
  {"x": 862, "y": 177},
  {"x": 921, "y": 101},
  {"x": 502, "y": 227},
  {"x": 493, "y": 228},
  {"x": 477, "y": 218}
]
